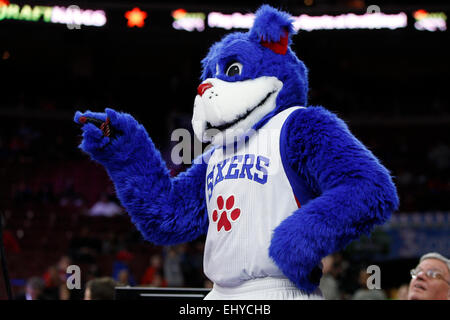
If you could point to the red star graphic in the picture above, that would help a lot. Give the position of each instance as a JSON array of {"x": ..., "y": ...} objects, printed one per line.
[{"x": 136, "y": 17}]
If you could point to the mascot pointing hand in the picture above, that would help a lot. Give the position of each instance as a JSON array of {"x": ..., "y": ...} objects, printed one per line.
[{"x": 284, "y": 184}]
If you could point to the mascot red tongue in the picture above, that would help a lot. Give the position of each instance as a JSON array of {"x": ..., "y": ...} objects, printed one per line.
[{"x": 297, "y": 187}]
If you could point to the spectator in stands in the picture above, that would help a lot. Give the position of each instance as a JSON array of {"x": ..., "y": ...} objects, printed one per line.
[
  {"x": 34, "y": 290},
  {"x": 121, "y": 269},
  {"x": 364, "y": 293},
  {"x": 192, "y": 264},
  {"x": 52, "y": 282},
  {"x": 63, "y": 263},
  {"x": 152, "y": 275},
  {"x": 123, "y": 278},
  {"x": 105, "y": 207},
  {"x": 172, "y": 267},
  {"x": 328, "y": 283},
  {"x": 100, "y": 289},
  {"x": 431, "y": 278},
  {"x": 64, "y": 292},
  {"x": 55, "y": 280},
  {"x": 158, "y": 280}
]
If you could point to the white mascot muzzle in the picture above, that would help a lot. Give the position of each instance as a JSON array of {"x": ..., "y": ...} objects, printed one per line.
[{"x": 225, "y": 111}]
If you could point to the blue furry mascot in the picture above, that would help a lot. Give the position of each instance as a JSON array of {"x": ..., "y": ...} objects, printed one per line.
[{"x": 283, "y": 185}]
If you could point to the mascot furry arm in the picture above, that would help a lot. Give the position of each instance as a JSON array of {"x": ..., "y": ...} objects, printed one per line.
[
  {"x": 343, "y": 189},
  {"x": 165, "y": 210}
]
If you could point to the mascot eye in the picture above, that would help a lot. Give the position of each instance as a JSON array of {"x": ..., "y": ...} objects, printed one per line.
[{"x": 234, "y": 69}]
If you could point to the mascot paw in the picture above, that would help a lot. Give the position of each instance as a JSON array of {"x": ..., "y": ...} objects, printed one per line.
[
  {"x": 101, "y": 146},
  {"x": 93, "y": 137},
  {"x": 301, "y": 268}
]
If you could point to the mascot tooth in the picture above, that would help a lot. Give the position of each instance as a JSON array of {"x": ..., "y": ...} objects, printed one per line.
[{"x": 273, "y": 206}]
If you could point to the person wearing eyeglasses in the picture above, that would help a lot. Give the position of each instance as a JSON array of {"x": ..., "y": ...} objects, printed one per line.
[{"x": 431, "y": 278}]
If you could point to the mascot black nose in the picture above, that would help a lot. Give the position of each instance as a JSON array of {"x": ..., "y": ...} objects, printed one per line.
[{"x": 203, "y": 87}]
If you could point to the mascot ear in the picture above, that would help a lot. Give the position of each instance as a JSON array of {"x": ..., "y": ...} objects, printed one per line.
[{"x": 272, "y": 29}]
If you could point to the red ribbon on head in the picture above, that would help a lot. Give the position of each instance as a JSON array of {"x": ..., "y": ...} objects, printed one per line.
[{"x": 279, "y": 47}]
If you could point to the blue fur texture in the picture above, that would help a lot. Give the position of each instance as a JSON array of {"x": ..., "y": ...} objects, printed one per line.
[
  {"x": 259, "y": 61},
  {"x": 271, "y": 25},
  {"x": 166, "y": 211},
  {"x": 354, "y": 191}
]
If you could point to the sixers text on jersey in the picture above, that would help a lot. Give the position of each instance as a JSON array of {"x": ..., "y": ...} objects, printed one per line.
[{"x": 249, "y": 166}]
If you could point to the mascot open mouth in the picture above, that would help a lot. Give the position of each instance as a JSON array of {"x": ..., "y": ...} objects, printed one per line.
[
  {"x": 226, "y": 126},
  {"x": 226, "y": 110}
]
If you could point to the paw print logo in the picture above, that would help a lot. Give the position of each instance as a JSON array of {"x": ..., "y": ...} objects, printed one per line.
[{"x": 226, "y": 214}]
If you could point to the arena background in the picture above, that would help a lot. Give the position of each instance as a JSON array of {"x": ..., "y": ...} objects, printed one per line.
[{"x": 390, "y": 86}]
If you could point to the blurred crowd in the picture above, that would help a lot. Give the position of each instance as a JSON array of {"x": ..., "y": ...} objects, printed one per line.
[
  {"x": 420, "y": 164},
  {"x": 430, "y": 280},
  {"x": 178, "y": 266},
  {"x": 61, "y": 209}
]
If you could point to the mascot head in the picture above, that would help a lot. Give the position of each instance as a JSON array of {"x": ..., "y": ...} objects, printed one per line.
[{"x": 247, "y": 78}]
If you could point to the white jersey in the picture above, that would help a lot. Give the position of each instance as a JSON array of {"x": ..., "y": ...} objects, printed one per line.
[{"x": 248, "y": 195}]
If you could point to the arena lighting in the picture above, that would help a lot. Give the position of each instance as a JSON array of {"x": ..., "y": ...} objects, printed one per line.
[
  {"x": 432, "y": 21},
  {"x": 351, "y": 21},
  {"x": 57, "y": 14},
  {"x": 76, "y": 16},
  {"x": 136, "y": 18},
  {"x": 229, "y": 21},
  {"x": 309, "y": 23},
  {"x": 188, "y": 20}
]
